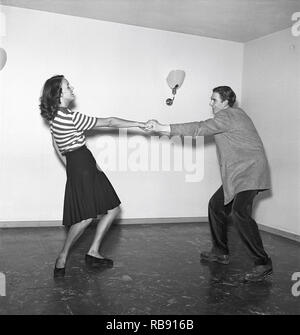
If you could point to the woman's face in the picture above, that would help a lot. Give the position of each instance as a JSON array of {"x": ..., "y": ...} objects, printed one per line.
[{"x": 67, "y": 94}]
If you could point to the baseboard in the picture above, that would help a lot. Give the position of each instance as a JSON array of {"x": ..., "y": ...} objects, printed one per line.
[
  {"x": 279, "y": 232},
  {"x": 163, "y": 220},
  {"x": 58, "y": 223},
  {"x": 201, "y": 219},
  {"x": 29, "y": 224}
]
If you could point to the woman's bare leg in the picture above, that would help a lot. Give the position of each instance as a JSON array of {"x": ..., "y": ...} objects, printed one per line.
[
  {"x": 74, "y": 233},
  {"x": 102, "y": 227}
]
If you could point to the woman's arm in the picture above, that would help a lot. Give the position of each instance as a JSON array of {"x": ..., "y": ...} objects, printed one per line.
[
  {"x": 118, "y": 123},
  {"x": 63, "y": 159}
]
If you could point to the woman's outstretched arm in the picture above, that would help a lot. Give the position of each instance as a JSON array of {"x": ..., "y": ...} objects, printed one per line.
[{"x": 118, "y": 123}]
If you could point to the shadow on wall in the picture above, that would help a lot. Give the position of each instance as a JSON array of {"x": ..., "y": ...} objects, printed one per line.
[
  {"x": 260, "y": 198},
  {"x": 262, "y": 195}
]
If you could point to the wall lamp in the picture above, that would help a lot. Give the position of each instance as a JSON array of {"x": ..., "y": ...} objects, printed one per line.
[
  {"x": 3, "y": 58},
  {"x": 175, "y": 79},
  {"x": 3, "y": 55}
]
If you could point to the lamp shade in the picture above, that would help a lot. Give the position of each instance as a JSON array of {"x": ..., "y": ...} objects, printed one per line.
[
  {"x": 175, "y": 77},
  {"x": 3, "y": 58}
]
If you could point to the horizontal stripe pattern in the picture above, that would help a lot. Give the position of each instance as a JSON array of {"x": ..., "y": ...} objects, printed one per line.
[{"x": 68, "y": 129}]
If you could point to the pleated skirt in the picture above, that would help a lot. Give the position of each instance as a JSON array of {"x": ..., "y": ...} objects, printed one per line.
[{"x": 88, "y": 191}]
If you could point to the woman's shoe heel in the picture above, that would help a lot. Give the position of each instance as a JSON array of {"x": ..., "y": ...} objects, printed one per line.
[{"x": 59, "y": 272}]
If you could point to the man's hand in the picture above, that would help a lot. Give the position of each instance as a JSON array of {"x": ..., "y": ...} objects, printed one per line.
[
  {"x": 142, "y": 125},
  {"x": 152, "y": 125}
]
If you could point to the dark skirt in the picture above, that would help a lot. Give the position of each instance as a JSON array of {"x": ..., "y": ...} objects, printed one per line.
[{"x": 88, "y": 191}]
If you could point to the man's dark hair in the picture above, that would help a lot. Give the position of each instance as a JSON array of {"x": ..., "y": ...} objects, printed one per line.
[{"x": 226, "y": 93}]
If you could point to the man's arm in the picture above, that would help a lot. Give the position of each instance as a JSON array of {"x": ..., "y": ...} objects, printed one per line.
[{"x": 219, "y": 124}]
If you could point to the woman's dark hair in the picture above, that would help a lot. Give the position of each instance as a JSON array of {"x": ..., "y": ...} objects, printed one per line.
[
  {"x": 226, "y": 93},
  {"x": 50, "y": 99}
]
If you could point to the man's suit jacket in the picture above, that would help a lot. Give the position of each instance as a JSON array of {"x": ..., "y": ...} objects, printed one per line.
[{"x": 240, "y": 151}]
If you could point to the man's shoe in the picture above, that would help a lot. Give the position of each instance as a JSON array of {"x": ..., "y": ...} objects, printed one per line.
[
  {"x": 209, "y": 256},
  {"x": 259, "y": 272},
  {"x": 95, "y": 261}
]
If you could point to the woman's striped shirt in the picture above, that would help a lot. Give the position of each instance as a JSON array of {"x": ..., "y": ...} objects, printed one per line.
[{"x": 68, "y": 129}]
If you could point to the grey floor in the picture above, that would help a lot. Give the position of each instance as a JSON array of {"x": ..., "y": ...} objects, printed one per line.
[{"x": 157, "y": 271}]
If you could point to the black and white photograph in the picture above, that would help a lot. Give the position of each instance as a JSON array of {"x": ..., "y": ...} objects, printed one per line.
[{"x": 149, "y": 160}]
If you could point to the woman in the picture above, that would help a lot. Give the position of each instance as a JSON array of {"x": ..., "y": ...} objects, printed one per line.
[{"x": 88, "y": 192}]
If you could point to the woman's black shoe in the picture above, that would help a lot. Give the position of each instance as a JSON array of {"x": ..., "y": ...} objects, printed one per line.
[
  {"x": 95, "y": 261},
  {"x": 59, "y": 272}
]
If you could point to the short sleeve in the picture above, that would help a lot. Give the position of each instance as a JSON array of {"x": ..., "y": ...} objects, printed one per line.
[{"x": 84, "y": 122}]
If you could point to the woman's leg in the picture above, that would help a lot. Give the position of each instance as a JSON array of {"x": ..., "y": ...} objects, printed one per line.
[
  {"x": 74, "y": 233},
  {"x": 102, "y": 228}
]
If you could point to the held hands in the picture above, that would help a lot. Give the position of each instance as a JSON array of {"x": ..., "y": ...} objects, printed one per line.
[
  {"x": 152, "y": 125},
  {"x": 147, "y": 126}
]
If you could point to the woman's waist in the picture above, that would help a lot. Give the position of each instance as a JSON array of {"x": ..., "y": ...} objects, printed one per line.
[{"x": 75, "y": 150}]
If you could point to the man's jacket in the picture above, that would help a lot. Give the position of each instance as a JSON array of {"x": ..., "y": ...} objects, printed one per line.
[{"x": 240, "y": 151}]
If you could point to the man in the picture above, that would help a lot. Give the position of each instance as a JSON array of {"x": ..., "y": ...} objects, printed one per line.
[{"x": 244, "y": 173}]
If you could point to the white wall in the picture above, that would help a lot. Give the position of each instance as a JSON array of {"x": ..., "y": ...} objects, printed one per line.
[
  {"x": 271, "y": 96},
  {"x": 116, "y": 70}
]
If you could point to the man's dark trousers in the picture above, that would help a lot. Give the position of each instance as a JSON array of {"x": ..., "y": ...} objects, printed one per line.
[{"x": 239, "y": 211}]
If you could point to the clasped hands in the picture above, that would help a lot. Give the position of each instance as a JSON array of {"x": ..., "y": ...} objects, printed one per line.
[{"x": 150, "y": 125}]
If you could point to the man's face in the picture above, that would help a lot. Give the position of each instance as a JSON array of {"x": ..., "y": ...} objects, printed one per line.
[{"x": 216, "y": 103}]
